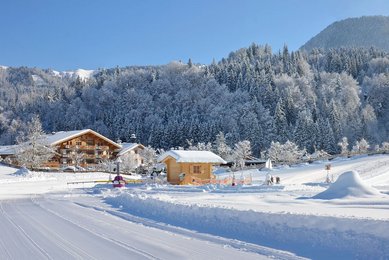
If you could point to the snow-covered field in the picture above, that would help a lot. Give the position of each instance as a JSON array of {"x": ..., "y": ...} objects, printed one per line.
[{"x": 54, "y": 220}]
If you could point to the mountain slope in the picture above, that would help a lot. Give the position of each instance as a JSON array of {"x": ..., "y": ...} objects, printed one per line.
[{"x": 366, "y": 31}]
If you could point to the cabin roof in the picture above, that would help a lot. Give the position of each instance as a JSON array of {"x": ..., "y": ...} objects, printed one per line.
[
  {"x": 192, "y": 156},
  {"x": 63, "y": 136},
  {"x": 126, "y": 147}
]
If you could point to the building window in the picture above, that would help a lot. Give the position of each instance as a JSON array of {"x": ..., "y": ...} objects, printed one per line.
[
  {"x": 197, "y": 169},
  {"x": 78, "y": 143},
  {"x": 90, "y": 161},
  {"x": 90, "y": 142}
]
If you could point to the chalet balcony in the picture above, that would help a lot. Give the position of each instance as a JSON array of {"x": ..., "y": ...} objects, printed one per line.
[{"x": 84, "y": 148}]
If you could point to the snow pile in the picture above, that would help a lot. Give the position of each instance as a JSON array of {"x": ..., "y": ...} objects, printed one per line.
[
  {"x": 349, "y": 184},
  {"x": 23, "y": 172},
  {"x": 318, "y": 237}
]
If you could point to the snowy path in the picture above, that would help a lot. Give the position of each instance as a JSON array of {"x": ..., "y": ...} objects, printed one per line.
[{"x": 53, "y": 229}]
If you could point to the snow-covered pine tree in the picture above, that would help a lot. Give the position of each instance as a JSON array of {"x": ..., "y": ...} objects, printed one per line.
[
  {"x": 306, "y": 131},
  {"x": 281, "y": 123},
  {"x": 221, "y": 147},
  {"x": 326, "y": 136}
]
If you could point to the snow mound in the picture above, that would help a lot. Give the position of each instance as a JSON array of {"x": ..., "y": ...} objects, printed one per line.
[
  {"x": 22, "y": 172},
  {"x": 348, "y": 184}
]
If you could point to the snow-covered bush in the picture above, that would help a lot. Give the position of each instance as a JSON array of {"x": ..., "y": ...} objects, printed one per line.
[
  {"x": 319, "y": 154},
  {"x": 275, "y": 151},
  {"x": 241, "y": 152},
  {"x": 199, "y": 146},
  {"x": 149, "y": 155},
  {"x": 285, "y": 153},
  {"x": 32, "y": 151},
  {"x": 129, "y": 163},
  {"x": 344, "y": 146},
  {"x": 385, "y": 147},
  {"x": 361, "y": 147}
]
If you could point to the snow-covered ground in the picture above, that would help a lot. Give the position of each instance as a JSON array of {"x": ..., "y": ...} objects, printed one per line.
[{"x": 280, "y": 221}]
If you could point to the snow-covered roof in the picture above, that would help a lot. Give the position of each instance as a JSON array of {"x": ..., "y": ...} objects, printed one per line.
[
  {"x": 192, "y": 156},
  {"x": 57, "y": 138},
  {"x": 126, "y": 147},
  {"x": 7, "y": 150},
  {"x": 60, "y": 137}
]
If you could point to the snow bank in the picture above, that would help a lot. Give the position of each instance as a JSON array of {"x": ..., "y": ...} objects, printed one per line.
[
  {"x": 23, "y": 172},
  {"x": 318, "y": 237},
  {"x": 348, "y": 184}
]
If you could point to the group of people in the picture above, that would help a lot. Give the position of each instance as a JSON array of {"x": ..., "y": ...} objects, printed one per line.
[{"x": 270, "y": 179}]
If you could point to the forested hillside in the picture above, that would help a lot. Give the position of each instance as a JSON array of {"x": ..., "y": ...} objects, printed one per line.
[
  {"x": 313, "y": 99},
  {"x": 363, "y": 31}
]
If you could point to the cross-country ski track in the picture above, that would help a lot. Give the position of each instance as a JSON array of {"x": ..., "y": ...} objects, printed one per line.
[{"x": 47, "y": 228}]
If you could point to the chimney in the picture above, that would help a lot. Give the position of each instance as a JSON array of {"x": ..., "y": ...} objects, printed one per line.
[
  {"x": 133, "y": 138},
  {"x": 119, "y": 141}
]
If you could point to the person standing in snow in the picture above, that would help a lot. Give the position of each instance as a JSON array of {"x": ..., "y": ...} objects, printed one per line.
[{"x": 268, "y": 179}]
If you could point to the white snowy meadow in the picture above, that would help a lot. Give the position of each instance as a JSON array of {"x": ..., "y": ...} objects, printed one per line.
[{"x": 302, "y": 217}]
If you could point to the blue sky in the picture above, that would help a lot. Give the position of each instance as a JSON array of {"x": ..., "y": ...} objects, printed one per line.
[{"x": 91, "y": 34}]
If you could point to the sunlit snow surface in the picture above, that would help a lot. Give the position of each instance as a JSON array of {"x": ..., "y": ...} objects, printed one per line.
[{"x": 256, "y": 220}]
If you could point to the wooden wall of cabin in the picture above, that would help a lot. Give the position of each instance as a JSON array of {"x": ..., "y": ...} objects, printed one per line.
[{"x": 173, "y": 171}]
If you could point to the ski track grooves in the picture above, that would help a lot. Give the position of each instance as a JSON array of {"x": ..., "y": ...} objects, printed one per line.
[
  {"x": 2, "y": 244},
  {"x": 71, "y": 247},
  {"x": 22, "y": 231},
  {"x": 119, "y": 243}
]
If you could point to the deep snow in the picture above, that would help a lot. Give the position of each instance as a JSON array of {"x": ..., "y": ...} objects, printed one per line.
[{"x": 259, "y": 219}]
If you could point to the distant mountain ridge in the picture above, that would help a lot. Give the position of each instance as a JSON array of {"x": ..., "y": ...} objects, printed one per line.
[{"x": 365, "y": 32}]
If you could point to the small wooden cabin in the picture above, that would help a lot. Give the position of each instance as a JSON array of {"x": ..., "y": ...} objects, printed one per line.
[{"x": 185, "y": 166}]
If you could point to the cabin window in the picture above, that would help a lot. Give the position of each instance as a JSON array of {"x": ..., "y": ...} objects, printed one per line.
[
  {"x": 197, "y": 169},
  {"x": 90, "y": 142},
  {"x": 90, "y": 161},
  {"x": 78, "y": 143}
]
